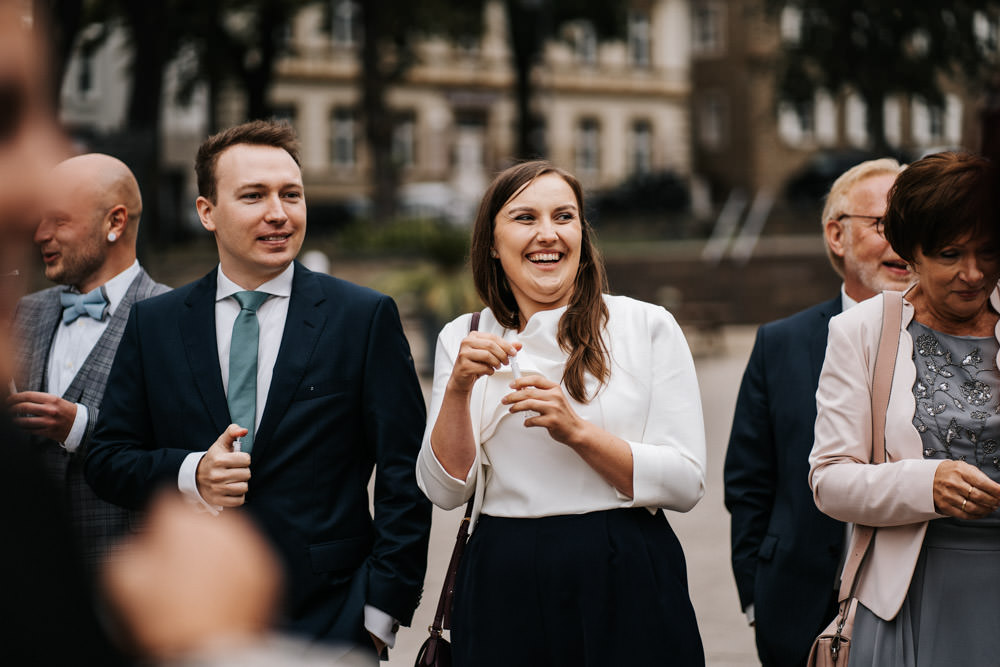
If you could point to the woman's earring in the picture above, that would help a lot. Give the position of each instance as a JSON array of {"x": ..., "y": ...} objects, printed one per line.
[
  {"x": 494, "y": 254},
  {"x": 112, "y": 237}
]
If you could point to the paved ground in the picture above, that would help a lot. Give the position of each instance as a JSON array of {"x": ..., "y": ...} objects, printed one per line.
[{"x": 703, "y": 532}]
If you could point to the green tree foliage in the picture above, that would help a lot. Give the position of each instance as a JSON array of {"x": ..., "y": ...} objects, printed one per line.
[{"x": 881, "y": 48}]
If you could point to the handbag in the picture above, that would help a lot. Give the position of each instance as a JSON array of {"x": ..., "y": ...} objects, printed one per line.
[
  {"x": 833, "y": 646},
  {"x": 436, "y": 650}
]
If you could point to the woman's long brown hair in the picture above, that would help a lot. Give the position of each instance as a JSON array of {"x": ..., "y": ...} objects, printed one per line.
[{"x": 581, "y": 325}]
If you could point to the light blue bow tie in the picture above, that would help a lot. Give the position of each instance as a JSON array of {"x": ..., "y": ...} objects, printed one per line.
[{"x": 93, "y": 304}]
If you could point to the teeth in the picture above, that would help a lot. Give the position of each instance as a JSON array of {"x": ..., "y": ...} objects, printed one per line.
[
  {"x": 272, "y": 238},
  {"x": 544, "y": 257}
]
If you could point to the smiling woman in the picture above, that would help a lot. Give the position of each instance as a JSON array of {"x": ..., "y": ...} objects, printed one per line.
[{"x": 572, "y": 464}]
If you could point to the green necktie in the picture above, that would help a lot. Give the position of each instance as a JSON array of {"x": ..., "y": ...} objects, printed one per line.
[{"x": 243, "y": 364}]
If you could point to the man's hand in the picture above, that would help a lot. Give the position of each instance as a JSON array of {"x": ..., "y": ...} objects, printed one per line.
[
  {"x": 42, "y": 414},
  {"x": 222, "y": 473}
]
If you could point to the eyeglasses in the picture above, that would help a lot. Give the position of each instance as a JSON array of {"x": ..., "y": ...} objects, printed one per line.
[{"x": 876, "y": 221}]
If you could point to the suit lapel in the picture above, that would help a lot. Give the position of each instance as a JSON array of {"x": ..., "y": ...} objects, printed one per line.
[
  {"x": 44, "y": 331},
  {"x": 197, "y": 325},
  {"x": 819, "y": 334},
  {"x": 106, "y": 345},
  {"x": 303, "y": 325}
]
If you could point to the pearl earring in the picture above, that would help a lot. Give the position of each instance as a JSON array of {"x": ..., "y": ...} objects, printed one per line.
[
  {"x": 112, "y": 237},
  {"x": 494, "y": 254}
]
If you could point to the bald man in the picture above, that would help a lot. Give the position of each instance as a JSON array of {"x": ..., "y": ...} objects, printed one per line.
[{"x": 65, "y": 337}]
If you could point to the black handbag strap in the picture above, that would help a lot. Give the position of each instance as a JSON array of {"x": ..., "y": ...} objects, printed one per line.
[{"x": 442, "y": 617}]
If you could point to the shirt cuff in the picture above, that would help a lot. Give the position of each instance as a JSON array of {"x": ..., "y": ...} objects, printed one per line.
[
  {"x": 187, "y": 483},
  {"x": 381, "y": 624},
  {"x": 78, "y": 430},
  {"x": 751, "y": 617}
]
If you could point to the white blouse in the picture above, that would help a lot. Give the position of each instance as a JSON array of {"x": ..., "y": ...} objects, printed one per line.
[{"x": 651, "y": 401}]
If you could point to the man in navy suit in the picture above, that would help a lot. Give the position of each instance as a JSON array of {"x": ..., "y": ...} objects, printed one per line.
[
  {"x": 786, "y": 554},
  {"x": 335, "y": 395}
]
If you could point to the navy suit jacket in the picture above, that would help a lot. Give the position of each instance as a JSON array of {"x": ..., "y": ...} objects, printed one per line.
[
  {"x": 785, "y": 551},
  {"x": 344, "y": 398}
]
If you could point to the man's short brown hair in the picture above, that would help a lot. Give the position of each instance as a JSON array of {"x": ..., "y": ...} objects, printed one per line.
[{"x": 279, "y": 134}]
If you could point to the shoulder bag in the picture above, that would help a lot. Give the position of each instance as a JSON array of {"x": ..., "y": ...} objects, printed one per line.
[
  {"x": 436, "y": 650},
  {"x": 833, "y": 646}
]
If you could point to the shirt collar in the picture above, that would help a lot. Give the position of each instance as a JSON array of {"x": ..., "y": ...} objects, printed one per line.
[
  {"x": 280, "y": 285},
  {"x": 846, "y": 302},
  {"x": 117, "y": 286}
]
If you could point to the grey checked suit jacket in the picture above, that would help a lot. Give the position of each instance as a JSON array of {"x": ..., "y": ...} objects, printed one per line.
[{"x": 97, "y": 523}]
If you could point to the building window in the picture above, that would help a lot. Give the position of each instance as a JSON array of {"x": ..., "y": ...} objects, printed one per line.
[
  {"x": 712, "y": 121},
  {"x": 404, "y": 140},
  {"x": 85, "y": 73},
  {"x": 856, "y": 121},
  {"x": 343, "y": 137},
  {"x": 580, "y": 34},
  {"x": 791, "y": 25},
  {"x": 708, "y": 27},
  {"x": 639, "y": 39},
  {"x": 343, "y": 22},
  {"x": 797, "y": 122},
  {"x": 641, "y": 148},
  {"x": 588, "y": 146},
  {"x": 935, "y": 125},
  {"x": 987, "y": 29}
]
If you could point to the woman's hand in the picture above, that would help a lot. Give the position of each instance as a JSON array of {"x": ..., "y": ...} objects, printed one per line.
[
  {"x": 480, "y": 354},
  {"x": 963, "y": 491},
  {"x": 549, "y": 408},
  {"x": 552, "y": 410}
]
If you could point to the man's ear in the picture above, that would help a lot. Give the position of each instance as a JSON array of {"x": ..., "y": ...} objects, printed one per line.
[
  {"x": 834, "y": 231},
  {"x": 205, "y": 210},
  {"x": 116, "y": 222}
]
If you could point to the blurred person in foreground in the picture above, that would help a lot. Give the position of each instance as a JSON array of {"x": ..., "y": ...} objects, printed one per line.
[
  {"x": 572, "y": 464},
  {"x": 65, "y": 337},
  {"x": 312, "y": 374},
  {"x": 196, "y": 590},
  {"x": 785, "y": 552},
  {"x": 46, "y": 605},
  {"x": 928, "y": 590}
]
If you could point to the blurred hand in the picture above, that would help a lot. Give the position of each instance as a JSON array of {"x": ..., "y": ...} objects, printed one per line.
[
  {"x": 191, "y": 580},
  {"x": 223, "y": 474},
  {"x": 963, "y": 491},
  {"x": 42, "y": 414},
  {"x": 480, "y": 354}
]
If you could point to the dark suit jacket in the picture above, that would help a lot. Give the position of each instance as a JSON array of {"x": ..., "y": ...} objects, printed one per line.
[
  {"x": 97, "y": 523},
  {"x": 784, "y": 551},
  {"x": 344, "y": 397}
]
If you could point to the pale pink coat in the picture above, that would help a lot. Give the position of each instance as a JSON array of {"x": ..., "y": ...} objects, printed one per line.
[{"x": 896, "y": 496}]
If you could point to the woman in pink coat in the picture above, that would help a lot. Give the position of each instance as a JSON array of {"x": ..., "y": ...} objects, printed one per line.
[{"x": 929, "y": 592}]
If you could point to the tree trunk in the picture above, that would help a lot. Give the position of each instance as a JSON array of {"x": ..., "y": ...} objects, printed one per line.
[
  {"x": 875, "y": 121},
  {"x": 62, "y": 18},
  {"x": 257, "y": 78},
  {"x": 149, "y": 56},
  {"x": 522, "y": 20},
  {"x": 377, "y": 117}
]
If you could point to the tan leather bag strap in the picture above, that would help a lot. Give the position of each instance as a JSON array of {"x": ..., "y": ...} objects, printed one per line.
[{"x": 885, "y": 365}]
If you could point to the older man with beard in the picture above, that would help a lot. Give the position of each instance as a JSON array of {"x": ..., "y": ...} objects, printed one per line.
[
  {"x": 65, "y": 337},
  {"x": 786, "y": 555}
]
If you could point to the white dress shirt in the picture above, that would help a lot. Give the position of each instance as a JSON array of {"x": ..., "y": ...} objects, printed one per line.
[
  {"x": 651, "y": 400},
  {"x": 73, "y": 343},
  {"x": 271, "y": 318}
]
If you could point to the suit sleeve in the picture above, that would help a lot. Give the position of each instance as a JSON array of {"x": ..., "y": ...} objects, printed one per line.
[
  {"x": 749, "y": 471},
  {"x": 394, "y": 423},
  {"x": 123, "y": 465}
]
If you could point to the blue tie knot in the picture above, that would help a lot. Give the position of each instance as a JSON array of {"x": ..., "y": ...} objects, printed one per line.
[
  {"x": 93, "y": 304},
  {"x": 250, "y": 300}
]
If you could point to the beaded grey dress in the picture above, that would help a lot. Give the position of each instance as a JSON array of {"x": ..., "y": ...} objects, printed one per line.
[{"x": 953, "y": 601}]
